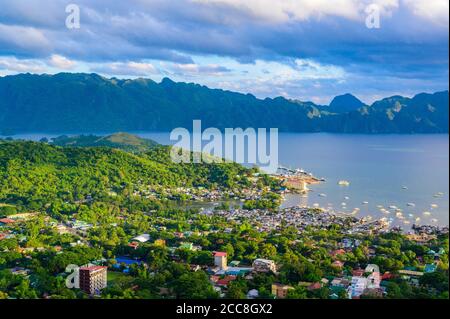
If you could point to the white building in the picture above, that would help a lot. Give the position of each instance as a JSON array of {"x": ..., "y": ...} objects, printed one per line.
[
  {"x": 264, "y": 265},
  {"x": 220, "y": 260},
  {"x": 360, "y": 283},
  {"x": 142, "y": 238}
]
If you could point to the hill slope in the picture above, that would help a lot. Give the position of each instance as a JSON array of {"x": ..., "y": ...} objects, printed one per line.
[
  {"x": 123, "y": 141},
  {"x": 91, "y": 103},
  {"x": 39, "y": 172}
]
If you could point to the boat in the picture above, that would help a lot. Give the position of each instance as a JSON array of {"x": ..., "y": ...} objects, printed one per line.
[
  {"x": 434, "y": 206},
  {"x": 427, "y": 213},
  {"x": 418, "y": 219},
  {"x": 434, "y": 220},
  {"x": 411, "y": 204},
  {"x": 343, "y": 183},
  {"x": 393, "y": 207},
  {"x": 404, "y": 187},
  {"x": 343, "y": 204},
  {"x": 346, "y": 197},
  {"x": 379, "y": 206},
  {"x": 322, "y": 195},
  {"x": 365, "y": 202}
]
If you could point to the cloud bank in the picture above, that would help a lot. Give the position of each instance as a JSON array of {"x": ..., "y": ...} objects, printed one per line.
[{"x": 308, "y": 49}]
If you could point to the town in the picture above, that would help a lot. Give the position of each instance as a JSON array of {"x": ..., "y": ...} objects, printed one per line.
[
  {"x": 261, "y": 271},
  {"x": 105, "y": 223}
]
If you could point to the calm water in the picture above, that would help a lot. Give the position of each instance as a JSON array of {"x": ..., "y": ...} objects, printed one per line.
[{"x": 377, "y": 167}]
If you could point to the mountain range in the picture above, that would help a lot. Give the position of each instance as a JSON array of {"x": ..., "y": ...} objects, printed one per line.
[{"x": 78, "y": 102}]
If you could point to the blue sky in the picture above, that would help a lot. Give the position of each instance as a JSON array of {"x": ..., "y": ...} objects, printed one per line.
[{"x": 302, "y": 49}]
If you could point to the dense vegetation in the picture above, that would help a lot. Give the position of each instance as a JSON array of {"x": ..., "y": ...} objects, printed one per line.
[
  {"x": 123, "y": 141},
  {"x": 90, "y": 103},
  {"x": 35, "y": 174},
  {"x": 101, "y": 187}
]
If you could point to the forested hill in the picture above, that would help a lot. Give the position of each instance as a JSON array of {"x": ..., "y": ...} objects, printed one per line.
[
  {"x": 68, "y": 102},
  {"x": 123, "y": 141},
  {"x": 38, "y": 173}
]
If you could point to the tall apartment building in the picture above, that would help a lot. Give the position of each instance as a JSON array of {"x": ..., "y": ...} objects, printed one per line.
[
  {"x": 93, "y": 279},
  {"x": 220, "y": 260}
]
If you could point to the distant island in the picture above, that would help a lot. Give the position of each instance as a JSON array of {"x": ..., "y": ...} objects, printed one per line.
[{"x": 80, "y": 103}]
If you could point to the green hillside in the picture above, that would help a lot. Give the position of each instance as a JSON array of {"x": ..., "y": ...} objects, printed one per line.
[{"x": 123, "y": 141}]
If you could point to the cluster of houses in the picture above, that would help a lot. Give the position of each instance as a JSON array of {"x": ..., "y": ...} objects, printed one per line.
[
  {"x": 201, "y": 193},
  {"x": 301, "y": 218}
]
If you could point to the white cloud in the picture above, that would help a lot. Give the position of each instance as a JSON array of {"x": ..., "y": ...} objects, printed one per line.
[
  {"x": 281, "y": 11},
  {"x": 196, "y": 69},
  {"x": 435, "y": 11},
  {"x": 60, "y": 62},
  {"x": 12, "y": 65},
  {"x": 23, "y": 38},
  {"x": 130, "y": 68}
]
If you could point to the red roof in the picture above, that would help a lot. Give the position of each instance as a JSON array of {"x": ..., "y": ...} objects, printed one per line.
[
  {"x": 337, "y": 252},
  {"x": 222, "y": 282},
  {"x": 314, "y": 286},
  {"x": 220, "y": 254},
  {"x": 7, "y": 221},
  {"x": 93, "y": 268},
  {"x": 387, "y": 275}
]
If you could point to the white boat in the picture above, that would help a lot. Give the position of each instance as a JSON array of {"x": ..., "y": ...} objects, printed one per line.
[
  {"x": 365, "y": 202},
  {"x": 393, "y": 207},
  {"x": 322, "y": 195},
  {"x": 434, "y": 206},
  {"x": 343, "y": 204},
  {"x": 411, "y": 204},
  {"x": 346, "y": 197},
  {"x": 404, "y": 187},
  {"x": 434, "y": 220},
  {"x": 379, "y": 206},
  {"x": 418, "y": 219},
  {"x": 427, "y": 213},
  {"x": 344, "y": 183}
]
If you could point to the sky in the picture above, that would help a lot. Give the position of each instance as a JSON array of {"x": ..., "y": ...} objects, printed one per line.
[{"x": 311, "y": 50}]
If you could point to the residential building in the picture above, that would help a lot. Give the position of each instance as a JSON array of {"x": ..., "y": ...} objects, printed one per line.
[
  {"x": 6, "y": 221},
  {"x": 264, "y": 265},
  {"x": 220, "y": 260},
  {"x": 360, "y": 283},
  {"x": 93, "y": 279},
  {"x": 142, "y": 238},
  {"x": 357, "y": 287},
  {"x": 280, "y": 291}
]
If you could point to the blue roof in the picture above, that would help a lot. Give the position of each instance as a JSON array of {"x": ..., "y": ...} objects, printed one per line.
[
  {"x": 127, "y": 261},
  {"x": 430, "y": 268}
]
